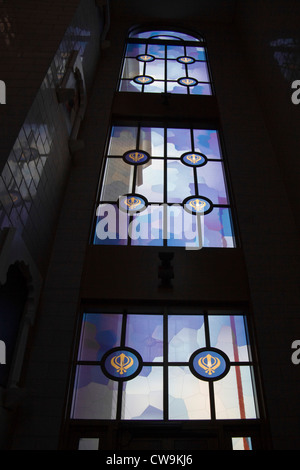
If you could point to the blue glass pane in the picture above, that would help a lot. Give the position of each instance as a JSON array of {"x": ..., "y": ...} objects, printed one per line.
[
  {"x": 150, "y": 179},
  {"x": 218, "y": 231},
  {"x": 175, "y": 51},
  {"x": 201, "y": 89},
  {"x": 156, "y": 50},
  {"x": 145, "y": 334},
  {"x": 211, "y": 182},
  {"x": 178, "y": 142},
  {"x": 227, "y": 332},
  {"x": 156, "y": 69},
  {"x": 207, "y": 142},
  {"x": 146, "y": 229},
  {"x": 174, "y": 87},
  {"x": 198, "y": 53},
  {"x": 180, "y": 182},
  {"x": 198, "y": 70},
  {"x": 182, "y": 228},
  {"x": 175, "y": 70},
  {"x": 134, "y": 50},
  {"x": 152, "y": 141},
  {"x": 99, "y": 333},
  {"x": 155, "y": 87},
  {"x": 161, "y": 33},
  {"x": 185, "y": 335}
]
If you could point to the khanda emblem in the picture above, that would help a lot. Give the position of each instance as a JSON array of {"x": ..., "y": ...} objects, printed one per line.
[
  {"x": 193, "y": 158},
  {"x": 121, "y": 363},
  {"x": 132, "y": 202},
  {"x": 136, "y": 156},
  {"x": 188, "y": 81},
  {"x": 209, "y": 363},
  {"x": 197, "y": 204}
]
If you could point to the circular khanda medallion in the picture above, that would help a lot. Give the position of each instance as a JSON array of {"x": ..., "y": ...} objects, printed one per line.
[
  {"x": 185, "y": 60},
  {"x": 136, "y": 157},
  {"x": 186, "y": 81},
  {"x": 198, "y": 205},
  {"x": 145, "y": 58},
  {"x": 121, "y": 363},
  {"x": 143, "y": 79},
  {"x": 209, "y": 364},
  {"x": 132, "y": 203},
  {"x": 193, "y": 159}
]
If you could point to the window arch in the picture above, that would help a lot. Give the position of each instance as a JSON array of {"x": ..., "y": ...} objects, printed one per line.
[{"x": 165, "y": 61}]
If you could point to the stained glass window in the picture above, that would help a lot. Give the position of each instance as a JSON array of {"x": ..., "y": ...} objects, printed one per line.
[
  {"x": 164, "y": 367},
  {"x": 165, "y": 62},
  {"x": 164, "y": 186}
]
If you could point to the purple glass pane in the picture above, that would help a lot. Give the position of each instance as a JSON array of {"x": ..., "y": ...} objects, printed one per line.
[
  {"x": 207, "y": 142},
  {"x": 100, "y": 332},
  {"x": 211, "y": 182},
  {"x": 146, "y": 229},
  {"x": 145, "y": 334},
  {"x": 180, "y": 181},
  {"x": 178, "y": 141}
]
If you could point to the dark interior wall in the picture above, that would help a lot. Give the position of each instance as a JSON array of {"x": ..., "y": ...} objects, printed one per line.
[{"x": 269, "y": 243}]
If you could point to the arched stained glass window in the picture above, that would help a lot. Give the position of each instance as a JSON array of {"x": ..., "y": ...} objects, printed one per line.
[{"x": 162, "y": 61}]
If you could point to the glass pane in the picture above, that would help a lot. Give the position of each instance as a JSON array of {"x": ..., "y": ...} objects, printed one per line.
[
  {"x": 117, "y": 179},
  {"x": 178, "y": 142},
  {"x": 170, "y": 35},
  {"x": 185, "y": 335},
  {"x": 156, "y": 69},
  {"x": 132, "y": 68},
  {"x": 111, "y": 225},
  {"x": 234, "y": 397},
  {"x": 143, "y": 395},
  {"x": 207, "y": 142},
  {"x": 156, "y": 50},
  {"x": 201, "y": 89},
  {"x": 122, "y": 139},
  {"x": 180, "y": 181},
  {"x": 184, "y": 229},
  {"x": 227, "y": 332},
  {"x": 95, "y": 396},
  {"x": 146, "y": 228},
  {"x": 99, "y": 333},
  {"x": 174, "y": 51},
  {"x": 173, "y": 87},
  {"x": 134, "y": 50},
  {"x": 198, "y": 53},
  {"x": 88, "y": 443},
  {"x": 145, "y": 334},
  {"x": 218, "y": 231},
  {"x": 155, "y": 87},
  {"x": 175, "y": 70},
  {"x": 198, "y": 70},
  {"x": 150, "y": 180},
  {"x": 211, "y": 182},
  {"x": 152, "y": 141},
  {"x": 130, "y": 85},
  {"x": 241, "y": 443},
  {"x": 188, "y": 396}
]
